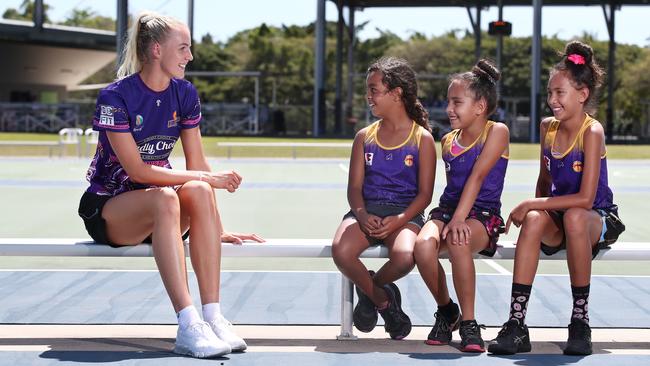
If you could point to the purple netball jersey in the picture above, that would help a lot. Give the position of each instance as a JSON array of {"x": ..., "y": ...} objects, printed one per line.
[
  {"x": 154, "y": 119},
  {"x": 459, "y": 165},
  {"x": 566, "y": 168},
  {"x": 391, "y": 173}
]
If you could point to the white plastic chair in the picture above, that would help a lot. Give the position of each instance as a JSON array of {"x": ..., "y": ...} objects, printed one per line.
[
  {"x": 70, "y": 136},
  {"x": 92, "y": 137}
]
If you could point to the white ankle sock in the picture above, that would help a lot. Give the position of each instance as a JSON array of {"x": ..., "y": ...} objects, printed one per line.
[
  {"x": 210, "y": 311},
  {"x": 188, "y": 316}
]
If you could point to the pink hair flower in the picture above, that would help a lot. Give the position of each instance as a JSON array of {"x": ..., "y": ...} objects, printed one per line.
[{"x": 576, "y": 59}]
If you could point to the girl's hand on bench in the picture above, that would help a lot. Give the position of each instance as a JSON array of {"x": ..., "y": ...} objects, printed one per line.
[{"x": 238, "y": 238}]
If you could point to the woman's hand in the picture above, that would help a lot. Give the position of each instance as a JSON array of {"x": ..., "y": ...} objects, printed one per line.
[
  {"x": 518, "y": 214},
  {"x": 459, "y": 230},
  {"x": 238, "y": 238},
  {"x": 227, "y": 179}
]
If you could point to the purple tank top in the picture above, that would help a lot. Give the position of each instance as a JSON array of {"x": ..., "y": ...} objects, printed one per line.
[
  {"x": 391, "y": 173},
  {"x": 458, "y": 168},
  {"x": 566, "y": 169},
  {"x": 154, "y": 119}
]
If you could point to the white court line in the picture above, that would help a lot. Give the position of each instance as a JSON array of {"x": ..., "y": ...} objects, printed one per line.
[
  {"x": 344, "y": 168},
  {"x": 496, "y": 266}
]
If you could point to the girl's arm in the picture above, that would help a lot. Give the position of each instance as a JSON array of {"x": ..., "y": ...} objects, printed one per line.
[
  {"x": 593, "y": 144},
  {"x": 356, "y": 175},
  {"x": 543, "y": 187},
  {"x": 426, "y": 178},
  {"x": 496, "y": 145}
]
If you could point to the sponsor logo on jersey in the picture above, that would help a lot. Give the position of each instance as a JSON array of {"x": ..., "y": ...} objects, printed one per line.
[
  {"x": 139, "y": 123},
  {"x": 156, "y": 147},
  {"x": 447, "y": 166},
  {"x": 577, "y": 166},
  {"x": 106, "y": 116},
  {"x": 368, "y": 158},
  {"x": 174, "y": 121},
  {"x": 408, "y": 160}
]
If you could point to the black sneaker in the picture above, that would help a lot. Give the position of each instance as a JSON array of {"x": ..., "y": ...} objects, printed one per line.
[
  {"x": 579, "y": 342},
  {"x": 512, "y": 338},
  {"x": 470, "y": 336},
  {"x": 441, "y": 332},
  {"x": 396, "y": 322},
  {"x": 365, "y": 312}
]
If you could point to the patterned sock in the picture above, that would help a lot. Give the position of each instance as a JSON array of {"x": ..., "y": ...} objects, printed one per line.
[
  {"x": 519, "y": 301},
  {"x": 449, "y": 311},
  {"x": 580, "y": 302}
]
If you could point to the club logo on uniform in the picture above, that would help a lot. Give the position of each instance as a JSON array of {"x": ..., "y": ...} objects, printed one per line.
[
  {"x": 139, "y": 123},
  {"x": 106, "y": 116},
  {"x": 174, "y": 121},
  {"x": 157, "y": 102},
  {"x": 408, "y": 160},
  {"x": 368, "y": 158},
  {"x": 447, "y": 167},
  {"x": 389, "y": 156},
  {"x": 547, "y": 163},
  {"x": 577, "y": 166}
]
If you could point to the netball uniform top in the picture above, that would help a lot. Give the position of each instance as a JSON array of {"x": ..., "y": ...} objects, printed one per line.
[
  {"x": 459, "y": 162},
  {"x": 566, "y": 168},
  {"x": 391, "y": 172},
  {"x": 154, "y": 119}
]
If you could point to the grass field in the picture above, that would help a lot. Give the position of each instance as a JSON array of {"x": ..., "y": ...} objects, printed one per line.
[{"x": 518, "y": 151}]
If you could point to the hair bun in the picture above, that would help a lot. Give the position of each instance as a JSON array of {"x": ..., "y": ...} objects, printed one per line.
[
  {"x": 579, "y": 48},
  {"x": 485, "y": 69}
]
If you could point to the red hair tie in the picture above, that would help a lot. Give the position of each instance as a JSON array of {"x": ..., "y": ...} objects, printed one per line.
[{"x": 576, "y": 59}]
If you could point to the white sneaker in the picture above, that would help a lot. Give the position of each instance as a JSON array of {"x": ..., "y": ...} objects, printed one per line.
[
  {"x": 223, "y": 329},
  {"x": 197, "y": 340}
]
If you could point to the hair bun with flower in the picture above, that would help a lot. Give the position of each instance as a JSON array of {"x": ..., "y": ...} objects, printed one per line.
[{"x": 576, "y": 59}]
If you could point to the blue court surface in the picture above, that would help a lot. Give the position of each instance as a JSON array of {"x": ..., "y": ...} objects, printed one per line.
[{"x": 65, "y": 311}]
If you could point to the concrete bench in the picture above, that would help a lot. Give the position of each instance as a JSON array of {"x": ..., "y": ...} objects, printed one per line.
[
  {"x": 279, "y": 248},
  {"x": 292, "y": 145}
]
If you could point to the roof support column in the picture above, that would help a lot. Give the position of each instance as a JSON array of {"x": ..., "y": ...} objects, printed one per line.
[
  {"x": 338, "y": 111},
  {"x": 536, "y": 70},
  {"x": 121, "y": 26},
  {"x": 39, "y": 14},
  {"x": 476, "y": 26},
  {"x": 319, "y": 71},
  {"x": 499, "y": 48},
  {"x": 351, "y": 43},
  {"x": 611, "y": 63}
]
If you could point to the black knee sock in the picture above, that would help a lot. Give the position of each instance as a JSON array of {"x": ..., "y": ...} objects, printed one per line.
[
  {"x": 449, "y": 311},
  {"x": 580, "y": 302},
  {"x": 519, "y": 301}
]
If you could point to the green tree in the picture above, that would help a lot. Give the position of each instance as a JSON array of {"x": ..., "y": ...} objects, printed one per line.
[{"x": 25, "y": 12}]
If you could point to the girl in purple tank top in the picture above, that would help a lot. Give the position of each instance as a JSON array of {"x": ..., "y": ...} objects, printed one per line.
[
  {"x": 392, "y": 168},
  {"x": 573, "y": 207},
  {"x": 135, "y": 196},
  {"x": 467, "y": 220}
]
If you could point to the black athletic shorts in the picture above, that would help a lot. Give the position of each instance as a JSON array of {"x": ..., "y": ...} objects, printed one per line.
[{"x": 90, "y": 211}]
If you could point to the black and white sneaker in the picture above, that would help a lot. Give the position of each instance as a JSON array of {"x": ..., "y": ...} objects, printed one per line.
[
  {"x": 512, "y": 338},
  {"x": 365, "y": 312},
  {"x": 579, "y": 342},
  {"x": 396, "y": 322},
  {"x": 470, "y": 336}
]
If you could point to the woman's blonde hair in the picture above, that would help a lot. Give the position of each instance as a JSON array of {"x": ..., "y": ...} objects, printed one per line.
[{"x": 147, "y": 28}]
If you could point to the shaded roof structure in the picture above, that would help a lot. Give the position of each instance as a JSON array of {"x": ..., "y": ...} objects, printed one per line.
[{"x": 609, "y": 10}]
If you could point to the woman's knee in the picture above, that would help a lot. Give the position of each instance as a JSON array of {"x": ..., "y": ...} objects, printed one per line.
[
  {"x": 402, "y": 260},
  {"x": 167, "y": 203},
  {"x": 197, "y": 191},
  {"x": 426, "y": 246},
  {"x": 533, "y": 222}
]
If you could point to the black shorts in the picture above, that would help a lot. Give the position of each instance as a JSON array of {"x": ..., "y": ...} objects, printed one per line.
[
  {"x": 612, "y": 228},
  {"x": 384, "y": 211},
  {"x": 491, "y": 220},
  {"x": 90, "y": 210}
]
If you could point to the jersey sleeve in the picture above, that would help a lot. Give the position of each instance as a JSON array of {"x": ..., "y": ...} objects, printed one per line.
[
  {"x": 110, "y": 113},
  {"x": 191, "y": 115}
]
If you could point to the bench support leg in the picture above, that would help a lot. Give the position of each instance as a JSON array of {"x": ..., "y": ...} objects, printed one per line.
[{"x": 347, "y": 301}]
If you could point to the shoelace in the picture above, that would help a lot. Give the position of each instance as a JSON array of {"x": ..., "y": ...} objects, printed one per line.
[
  {"x": 441, "y": 324},
  {"x": 198, "y": 327},
  {"x": 472, "y": 329},
  {"x": 506, "y": 329}
]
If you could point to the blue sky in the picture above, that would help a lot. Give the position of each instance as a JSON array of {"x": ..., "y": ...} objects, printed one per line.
[{"x": 223, "y": 18}]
